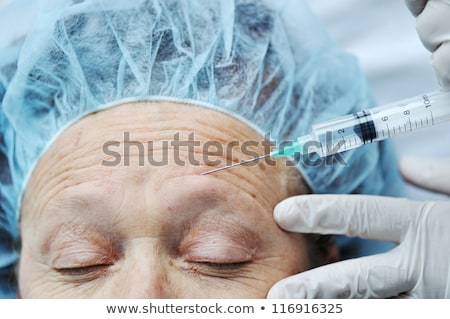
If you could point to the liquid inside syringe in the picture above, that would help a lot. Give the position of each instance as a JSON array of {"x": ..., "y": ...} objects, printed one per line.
[
  {"x": 364, "y": 127},
  {"x": 372, "y": 125}
]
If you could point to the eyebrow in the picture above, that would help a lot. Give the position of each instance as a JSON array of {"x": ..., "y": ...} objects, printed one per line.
[
  {"x": 86, "y": 207},
  {"x": 65, "y": 231},
  {"x": 231, "y": 230},
  {"x": 202, "y": 224}
]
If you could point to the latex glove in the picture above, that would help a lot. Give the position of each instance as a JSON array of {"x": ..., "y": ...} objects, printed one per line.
[
  {"x": 433, "y": 27},
  {"x": 419, "y": 267}
]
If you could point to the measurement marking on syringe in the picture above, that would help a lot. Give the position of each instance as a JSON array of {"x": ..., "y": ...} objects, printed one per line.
[
  {"x": 373, "y": 125},
  {"x": 345, "y": 146}
]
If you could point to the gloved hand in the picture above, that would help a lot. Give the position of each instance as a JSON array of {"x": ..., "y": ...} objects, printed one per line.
[
  {"x": 433, "y": 26},
  {"x": 419, "y": 267}
]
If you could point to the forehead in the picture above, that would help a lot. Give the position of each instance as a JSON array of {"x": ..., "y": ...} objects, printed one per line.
[
  {"x": 78, "y": 155},
  {"x": 162, "y": 124}
]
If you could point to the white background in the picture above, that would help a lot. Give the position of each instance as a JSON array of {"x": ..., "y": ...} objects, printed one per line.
[{"x": 263, "y": 308}]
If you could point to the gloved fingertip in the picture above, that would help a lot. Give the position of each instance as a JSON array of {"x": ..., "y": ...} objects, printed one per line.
[
  {"x": 291, "y": 212},
  {"x": 431, "y": 174},
  {"x": 278, "y": 213},
  {"x": 415, "y": 6},
  {"x": 408, "y": 162},
  {"x": 282, "y": 290},
  {"x": 440, "y": 60},
  {"x": 283, "y": 212},
  {"x": 275, "y": 293},
  {"x": 445, "y": 85}
]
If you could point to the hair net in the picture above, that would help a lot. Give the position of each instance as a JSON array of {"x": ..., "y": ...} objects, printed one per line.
[{"x": 268, "y": 62}]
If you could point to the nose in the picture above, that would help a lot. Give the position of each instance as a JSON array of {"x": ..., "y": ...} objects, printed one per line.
[
  {"x": 146, "y": 281},
  {"x": 147, "y": 289},
  {"x": 144, "y": 272}
]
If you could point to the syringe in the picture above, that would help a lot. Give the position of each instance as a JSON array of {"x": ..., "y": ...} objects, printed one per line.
[{"x": 364, "y": 127}]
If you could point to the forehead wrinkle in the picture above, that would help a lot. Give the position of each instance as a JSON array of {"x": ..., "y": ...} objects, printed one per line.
[
  {"x": 55, "y": 178},
  {"x": 171, "y": 117},
  {"x": 251, "y": 183},
  {"x": 237, "y": 198},
  {"x": 200, "y": 198},
  {"x": 251, "y": 179},
  {"x": 71, "y": 161},
  {"x": 193, "y": 189},
  {"x": 58, "y": 189},
  {"x": 141, "y": 134},
  {"x": 155, "y": 115}
]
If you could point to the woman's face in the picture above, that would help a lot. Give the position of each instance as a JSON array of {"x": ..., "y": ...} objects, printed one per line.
[{"x": 98, "y": 220}]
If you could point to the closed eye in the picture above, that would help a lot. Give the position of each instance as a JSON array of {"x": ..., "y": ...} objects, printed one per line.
[
  {"x": 219, "y": 270},
  {"x": 225, "y": 266},
  {"x": 83, "y": 273}
]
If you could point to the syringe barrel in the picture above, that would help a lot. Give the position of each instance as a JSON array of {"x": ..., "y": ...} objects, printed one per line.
[{"x": 379, "y": 123}]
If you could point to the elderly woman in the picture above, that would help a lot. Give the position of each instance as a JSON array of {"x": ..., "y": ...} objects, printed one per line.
[{"x": 113, "y": 110}]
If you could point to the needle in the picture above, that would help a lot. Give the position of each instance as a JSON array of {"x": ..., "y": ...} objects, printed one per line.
[{"x": 235, "y": 164}]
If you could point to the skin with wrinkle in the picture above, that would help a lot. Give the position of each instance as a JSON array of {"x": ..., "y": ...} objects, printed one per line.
[{"x": 90, "y": 230}]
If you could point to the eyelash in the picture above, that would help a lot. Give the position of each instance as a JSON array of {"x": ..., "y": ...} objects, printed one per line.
[
  {"x": 224, "y": 266},
  {"x": 220, "y": 270},
  {"x": 85, "y": 273}
]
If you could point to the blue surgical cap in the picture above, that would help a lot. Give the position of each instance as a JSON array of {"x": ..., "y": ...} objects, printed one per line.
[{"x": 268, "y": 62}]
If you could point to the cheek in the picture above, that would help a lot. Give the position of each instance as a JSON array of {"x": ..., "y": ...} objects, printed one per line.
[
  {"x": 33, "y": 278},
  {"x": 296, "y": 252},
  {"x": 290, "y": 253},
  {"x": 279, "y": 244},
  {"x": 29, "y": 268},
  {"x": 284, "y": 253}
]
